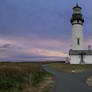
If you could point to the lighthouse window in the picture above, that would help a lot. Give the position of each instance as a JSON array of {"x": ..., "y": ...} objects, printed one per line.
[{"x": 78, "y": 41}]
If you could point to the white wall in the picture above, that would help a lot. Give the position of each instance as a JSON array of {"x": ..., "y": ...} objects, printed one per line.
[
  {"x": 77, "y": 32},
  {"x": 75, "y": 59},
  {"x": 88, "y": 59}
]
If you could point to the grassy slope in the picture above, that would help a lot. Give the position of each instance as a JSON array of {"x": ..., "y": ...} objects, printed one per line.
[{"x": 15, "y": 77}]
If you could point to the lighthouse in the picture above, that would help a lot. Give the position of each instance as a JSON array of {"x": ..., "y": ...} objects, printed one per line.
[
  {"x": 77, "y": 53},
  {"x": 77, "y": 28}
]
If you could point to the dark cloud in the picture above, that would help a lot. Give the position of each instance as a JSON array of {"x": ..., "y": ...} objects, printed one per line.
[
  {"x": 9, "y": 46},
  {"x": 6, "y": 46},
  {"x": 35, "y": 58}
]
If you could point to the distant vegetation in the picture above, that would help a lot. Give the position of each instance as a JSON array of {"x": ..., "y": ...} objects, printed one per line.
[
  {"x": 16, "y": 77},
  {"x": 69, "y": 67}
]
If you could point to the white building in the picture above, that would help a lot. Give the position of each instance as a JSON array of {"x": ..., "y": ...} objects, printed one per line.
[{"x": 77, "y": 53}]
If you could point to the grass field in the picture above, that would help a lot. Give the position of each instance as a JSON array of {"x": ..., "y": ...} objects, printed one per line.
[
  {"x": 30, "y": 77},
  {"x": 23, "y": 77},
  {"x": 68, "y": 67}
]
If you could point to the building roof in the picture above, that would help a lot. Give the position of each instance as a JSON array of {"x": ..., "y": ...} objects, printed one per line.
[{"x": 80, "y": 52}]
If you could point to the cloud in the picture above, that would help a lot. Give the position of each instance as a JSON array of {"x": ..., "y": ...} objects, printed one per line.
[
  {"x": 6, "y": 46},
  {"x": 19, "y": 48},
  {"x": 46, "y": 52},
  {"x": 35, "y": 47},
  {"x": 38, "y": 29}
]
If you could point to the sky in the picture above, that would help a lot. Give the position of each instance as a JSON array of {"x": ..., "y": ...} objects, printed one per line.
[{"x": 40, "y": 30}]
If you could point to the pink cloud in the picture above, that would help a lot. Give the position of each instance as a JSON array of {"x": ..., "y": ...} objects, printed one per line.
[
  {"x": 46, "y": 52},
  {"x": 35, "y": 47}
]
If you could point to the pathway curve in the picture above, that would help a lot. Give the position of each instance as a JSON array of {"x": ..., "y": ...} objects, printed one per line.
[{"x": 69, "y": 82}]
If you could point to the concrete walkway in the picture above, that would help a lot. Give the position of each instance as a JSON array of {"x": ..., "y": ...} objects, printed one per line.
[{"x": 69, "y": 82}]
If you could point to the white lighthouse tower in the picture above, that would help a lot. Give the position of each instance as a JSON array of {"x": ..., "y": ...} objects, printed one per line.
[
  {"x": 78, "y": 55},
  {"x": 77, "y": 35},
  {"x": 77, "y": 28}
]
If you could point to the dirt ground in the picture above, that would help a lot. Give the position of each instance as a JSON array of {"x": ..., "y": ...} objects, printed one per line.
[{"x": 45, "y": 86}]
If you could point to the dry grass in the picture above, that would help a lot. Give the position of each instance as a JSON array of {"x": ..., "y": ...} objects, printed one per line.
[
  {"x": 15, "y": 77},
  {"x": 89, "y": 81},
  {"x": 13, "y": 69},
  {"x": 45, "y": 86},
  {"x": 68, "y": 67}
]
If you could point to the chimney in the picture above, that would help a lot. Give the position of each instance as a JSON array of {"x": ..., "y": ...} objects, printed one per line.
[{"x": 89, "y": 47}]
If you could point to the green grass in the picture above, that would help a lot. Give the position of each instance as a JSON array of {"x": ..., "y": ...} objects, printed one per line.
[{"x": 14, "y": 77}]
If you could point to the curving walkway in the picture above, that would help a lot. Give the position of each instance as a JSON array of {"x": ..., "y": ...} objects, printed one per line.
[{"x": 69, "y": 82}]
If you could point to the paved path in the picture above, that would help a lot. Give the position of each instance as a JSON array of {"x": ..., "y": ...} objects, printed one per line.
[{"x": 69, "y": 82}]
